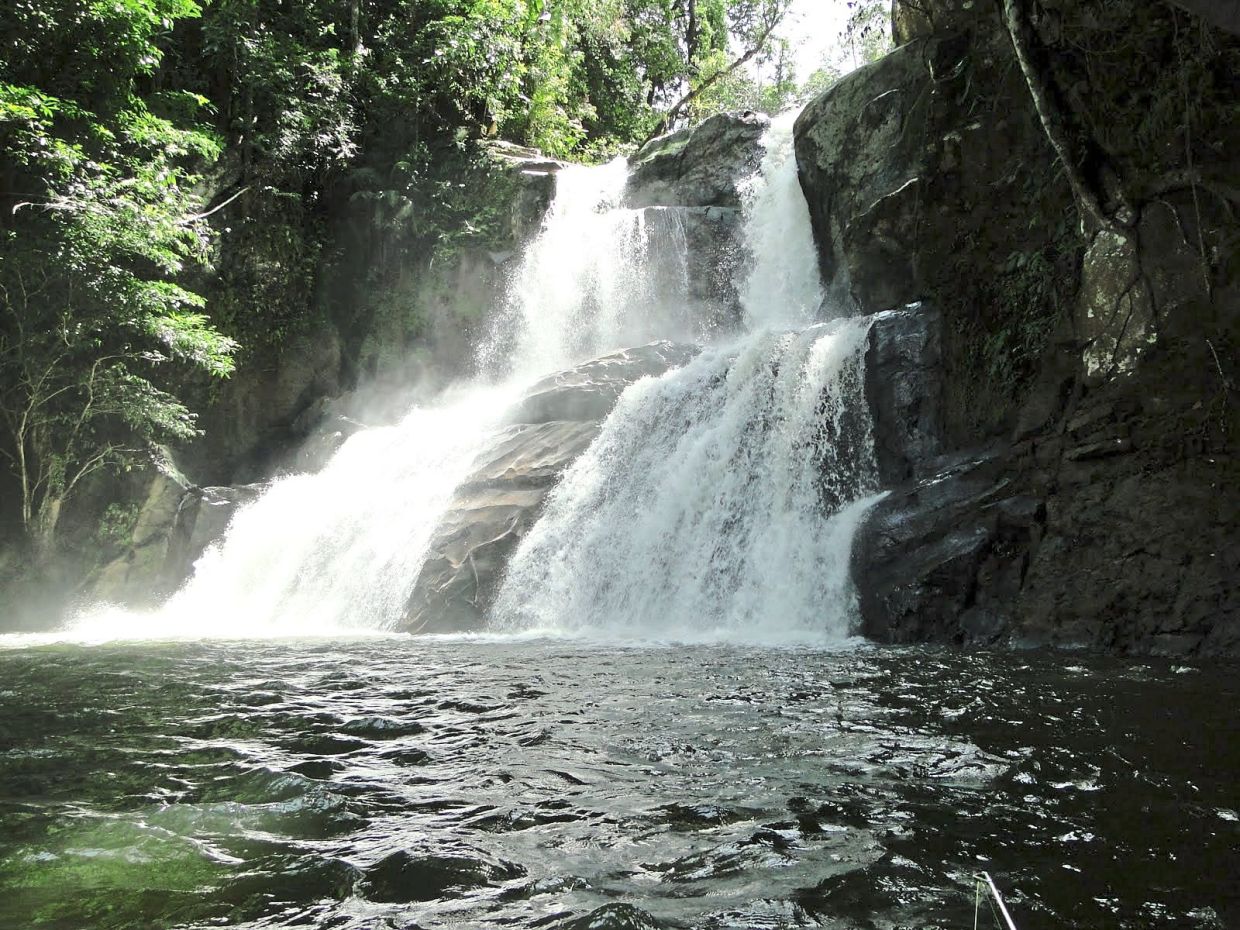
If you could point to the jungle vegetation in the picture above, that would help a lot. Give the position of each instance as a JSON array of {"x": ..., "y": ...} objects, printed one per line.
[{"x": 166, "y": 167}]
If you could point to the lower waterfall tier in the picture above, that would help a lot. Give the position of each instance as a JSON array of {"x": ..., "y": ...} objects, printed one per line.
[{"x": 719, "y": 501}]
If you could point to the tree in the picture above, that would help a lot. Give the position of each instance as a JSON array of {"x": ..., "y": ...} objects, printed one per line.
[
  {"x": 867, "y": 33},
  {"x": 98, "y": 221},
  {"x": 752, "y": 24}
]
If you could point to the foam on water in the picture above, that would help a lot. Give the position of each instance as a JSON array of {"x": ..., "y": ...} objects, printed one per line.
[{"x": 718, "y": 503}]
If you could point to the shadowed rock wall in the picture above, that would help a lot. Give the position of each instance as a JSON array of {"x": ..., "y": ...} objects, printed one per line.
[{"x": 1071, "y": 477}]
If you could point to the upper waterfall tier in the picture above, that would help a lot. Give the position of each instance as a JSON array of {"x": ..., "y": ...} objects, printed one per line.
[{"x": 601, "y": 276}]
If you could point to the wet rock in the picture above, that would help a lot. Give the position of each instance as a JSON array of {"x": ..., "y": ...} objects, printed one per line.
[
  {"x": 407, "y": 876},
  {"x": 533, "y": 176},
  {"x": 903, "y": 385},
  {"x": 203, "y": 517},
  {"x": 493, "y": 509},
  {"x": 262, "y": 412},
  {"x": 1079, "y": 497},
  {"x": 917, "y": 557},
  {"x": 1094, "y": 540},
  {"x": 175, "y": 525},
  {"x": 141, "y": 574},
  {"x": 713, "y": 238},
  {"x": 700, "y": 166},
  {"x": 589, "y": 391},
  {"x": 862, "y": 175},
  {"x": 615, "y": 917}
]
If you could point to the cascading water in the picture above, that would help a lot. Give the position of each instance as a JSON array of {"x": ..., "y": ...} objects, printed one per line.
[
  {"x": 598, "y": 277},
  {"x": 329, "y": 553},
  {"x": 783, "y": 287},
  {"x": 719, "y": 501}
]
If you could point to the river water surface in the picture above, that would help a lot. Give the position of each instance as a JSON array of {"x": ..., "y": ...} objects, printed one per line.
[{"x": 399, "y": 783}]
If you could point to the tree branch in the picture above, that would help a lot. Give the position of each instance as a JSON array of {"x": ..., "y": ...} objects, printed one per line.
[
  {"x": 669, "y": 118},
  {"x": 193, "y": 218},
  {"x": 1021, "y": 32}
]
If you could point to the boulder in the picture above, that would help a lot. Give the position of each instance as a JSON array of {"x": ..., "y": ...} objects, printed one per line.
[
  {"x": 918, "y": 557},
  {"x": 140, "y": 574},
  {"x": 701, "y": 166},
  {"x": 202, "y": 519},
  {"x": 175, "y": 525},
  {"x": 589, "y": 391},
  {"x": 903, "y": 387},
  {"x": 492, "y": 510},
  {"x": 862, "y": 164},
  {"x": 1114, "y": 316},
  {"x": 691, "y": 180},
  {"x": 533, "y": 178}
]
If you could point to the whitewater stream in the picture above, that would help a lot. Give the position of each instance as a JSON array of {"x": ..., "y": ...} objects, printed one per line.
[{"x": 668, "y": 722}]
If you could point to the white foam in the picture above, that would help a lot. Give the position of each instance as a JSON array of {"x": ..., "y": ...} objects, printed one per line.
[{"x": 719, "y": 502}]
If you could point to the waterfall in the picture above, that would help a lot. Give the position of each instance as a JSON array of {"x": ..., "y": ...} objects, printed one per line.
[
  {"x": 719, "y": 501},
  {"x": 783, "y": 287},
  {"x": 328, "y": 553},
  {"x": 598, "y": 277}
]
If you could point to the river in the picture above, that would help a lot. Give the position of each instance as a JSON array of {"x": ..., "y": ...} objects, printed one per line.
[{"x": 396, "y": 782}]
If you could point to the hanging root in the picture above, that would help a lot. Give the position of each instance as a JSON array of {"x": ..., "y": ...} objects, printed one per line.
[{"x": 1093, "y": 217}]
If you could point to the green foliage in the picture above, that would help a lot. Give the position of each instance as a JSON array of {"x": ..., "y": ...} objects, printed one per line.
[
  {"x": 743, "y": 90},
  {"x": 98, "y": 220},
  {"x": 867, "y": 33},
  {"x": 330, "y": 134},
  {"x": 117, "y": 524}
]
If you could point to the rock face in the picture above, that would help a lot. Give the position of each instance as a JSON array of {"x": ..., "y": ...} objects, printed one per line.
[
  {"x": 1097, "y": 537},
  {"x": 1058, "y": 434},
  {"x": 700, "y": 166},
  {"x": 175, "y": 526},
  {"x": 692, "y": 178},
  {"x": 904, "y": 386},
  {"x": 496, "y": 506},
  {"x": 864, "y": 165}
]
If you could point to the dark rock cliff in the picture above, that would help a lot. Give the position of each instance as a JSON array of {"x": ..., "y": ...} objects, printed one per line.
[{"x": 1059, "y": 434}]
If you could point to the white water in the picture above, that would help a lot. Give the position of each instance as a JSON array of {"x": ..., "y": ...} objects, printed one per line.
[
  {"x": 719, "y": 501},
  {"x": 597, "y": 278},
  {"x": 330, "y": 553},
  {"x": 783, "y": 288}
]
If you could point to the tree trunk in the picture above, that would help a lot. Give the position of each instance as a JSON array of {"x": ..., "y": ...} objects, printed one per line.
[
  {"x": 1093, "y": 216},
  {"x": 691, "y": 37},
  {"x": 43, "y": 532}
]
